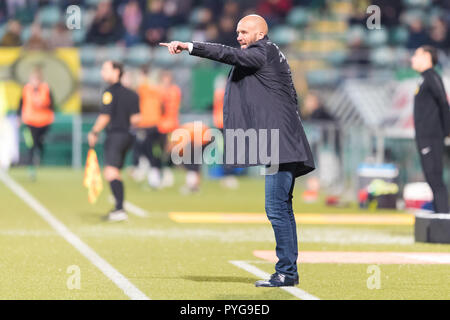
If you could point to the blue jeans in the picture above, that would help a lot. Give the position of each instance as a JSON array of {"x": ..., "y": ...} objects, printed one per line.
[{"x": 279, "y": 188}]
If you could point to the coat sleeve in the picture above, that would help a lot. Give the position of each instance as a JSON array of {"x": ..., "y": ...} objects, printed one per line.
[
  {"x": 438, "y": 91},
  {"x": 253, "y": 57}
]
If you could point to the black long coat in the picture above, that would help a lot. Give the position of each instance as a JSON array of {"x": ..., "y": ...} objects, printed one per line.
[{"x": 260, "y": 96}]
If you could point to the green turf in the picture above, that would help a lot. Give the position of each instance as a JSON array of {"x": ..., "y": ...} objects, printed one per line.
[{"x": 169, "y": 260}]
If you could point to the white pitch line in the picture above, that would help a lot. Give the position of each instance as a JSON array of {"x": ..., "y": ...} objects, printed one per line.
[
  {"x": 132, "y": 208},
  {"x": 109, "y": 271},
  {"x": 135, "y": 210},
  {"x": 297, "y": 292}
]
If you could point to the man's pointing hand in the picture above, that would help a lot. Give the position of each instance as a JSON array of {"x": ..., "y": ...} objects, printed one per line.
[{"x": 175, "y": 47}]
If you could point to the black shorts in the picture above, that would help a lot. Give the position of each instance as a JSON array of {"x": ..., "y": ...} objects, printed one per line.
[{"x": 115, "y": 149}]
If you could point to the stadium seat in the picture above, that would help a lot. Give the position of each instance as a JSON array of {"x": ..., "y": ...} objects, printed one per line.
[
  {"x": 382, "y": 57},
  {"x": 336, "y": 58},
  {"x": 49, "y": 16},
  {"x": 91, "y": 76},
  {"x": 138, "y": 55},
  {"x": 78, "y": 35},
  {"x": 399, "y": 35},
  {"x": 181, "y": 33},
  {"x": 26, "y": 33},
  {"x": 162, "y": 58},
  {"x": 298, "y": 17},
  {"x": 355, "y": 33},
  {"x": 88, "y": 55},
  {"x": 2, "y": 30},
  {"x": 322, "y": 77},
  {"x": 377, "y": 37},
  {"x": 417, "y": 3},
  {"x": 116, "y": 53},
  {"x": 283, "y": 35},
  {"x": 92, "y": 3}
]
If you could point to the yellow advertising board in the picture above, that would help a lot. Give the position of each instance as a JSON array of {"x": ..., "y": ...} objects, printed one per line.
[{"x": 61, "y": 68}]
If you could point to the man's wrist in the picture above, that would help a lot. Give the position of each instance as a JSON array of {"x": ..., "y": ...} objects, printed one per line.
[{"x": 190, "y": 47}]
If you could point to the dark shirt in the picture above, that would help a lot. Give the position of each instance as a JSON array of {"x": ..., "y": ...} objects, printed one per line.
[
  {"x": 120, "y": 104},
  {"x": 431, "y": 109},
  {"x": 260, "y": 95}
]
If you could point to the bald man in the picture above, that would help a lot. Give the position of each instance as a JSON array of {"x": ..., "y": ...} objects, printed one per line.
[{"x": 261, "y": 102}]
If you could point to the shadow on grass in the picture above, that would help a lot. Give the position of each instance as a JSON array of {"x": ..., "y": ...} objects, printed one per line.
[{"x": 220, "y": 279}]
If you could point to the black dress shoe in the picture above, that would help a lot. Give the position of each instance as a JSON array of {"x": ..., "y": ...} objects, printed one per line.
[{"x": 277, "y": 280}]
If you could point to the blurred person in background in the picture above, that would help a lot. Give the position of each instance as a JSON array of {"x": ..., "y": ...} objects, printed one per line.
[
  {"x": 60, "y": 37},
  {"x": 231, "y": 8},
  {"x": 150, "y": 141},
  {"x": 418, "y": 36},
  {"x": 390, "y": 11},
  {"x": 12, "y": 36},
  {"x": 171, "y": 99},
  {"x": 22, "y": 10},
  {"x": 195, "y": 147},
  {"x": 131, "y": 20},
  {"x": 432, "y": 123},
  {"x": 106, "y": 26},
  {"x": 229, "y": 180},
  {"x": 227, "y": 32},
  {"x": 313, "y": 109},
  {"x": 274, "y": 10},
  {"x": 36, "y": 40},
  {"x": 177, "y": 11},
  {"x": 36, "y": 111},
  {"x": 3, "y": 13},
  {"x": 155, "y": 23},
  {"x": 118, "y": 113},
  {"x": 204, "y": 19},
  {"x": 439, "y": 34}
]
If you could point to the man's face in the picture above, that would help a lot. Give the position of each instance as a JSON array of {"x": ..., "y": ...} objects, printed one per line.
[
  {"x": 247, "y": 34},
  {"x": 35, "y": 78},
  {"x": 420, "y": 60},
  {"x": 109, "y": 74}
]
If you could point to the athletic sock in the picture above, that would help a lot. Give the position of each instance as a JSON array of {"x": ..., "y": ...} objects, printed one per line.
[{"x": 117, "y": 191}]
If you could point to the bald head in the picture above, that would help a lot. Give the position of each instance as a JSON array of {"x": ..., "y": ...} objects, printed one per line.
[{"x": 250, "y": 29}]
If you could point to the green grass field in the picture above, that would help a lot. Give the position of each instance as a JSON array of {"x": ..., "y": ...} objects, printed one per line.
[{"x": 166, "y": 259}]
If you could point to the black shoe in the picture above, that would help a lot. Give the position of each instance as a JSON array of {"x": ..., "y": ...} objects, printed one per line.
[{"x": 277, "y": 280}]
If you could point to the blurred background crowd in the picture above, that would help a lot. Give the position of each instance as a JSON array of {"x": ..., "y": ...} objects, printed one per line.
[
  {"x": 325, "y": 40},
  {"x": 353, "y": 81}
]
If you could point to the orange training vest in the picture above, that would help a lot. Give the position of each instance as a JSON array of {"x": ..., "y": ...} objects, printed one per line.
[
  {"x": 171, "y": 103},
  {"x": 150, "y": 102},
  {"x": 219, "y": 95},
  {"x": 36, "y": 110}
]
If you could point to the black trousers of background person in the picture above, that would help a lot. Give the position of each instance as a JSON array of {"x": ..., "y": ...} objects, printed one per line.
[
  {"x": 431, "y": 153},
  {"x": 37, "y": 150}
]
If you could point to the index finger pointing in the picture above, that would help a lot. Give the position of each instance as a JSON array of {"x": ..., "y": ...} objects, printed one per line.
[{"x": 164, "y": 44}]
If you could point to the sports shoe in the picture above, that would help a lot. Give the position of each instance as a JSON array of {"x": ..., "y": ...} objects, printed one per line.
[
  {"x": 278, "y": 280},
  {"x": 116, "y": 216}
]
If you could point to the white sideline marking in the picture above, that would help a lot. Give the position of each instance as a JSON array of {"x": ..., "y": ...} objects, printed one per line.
[
  {"x": 109, "y": 271},
  {"x": 436, "y": 259},
  {"x": 135, "y": 210},
  {"x": 297, "y": 292},
  {"x": 132, "y": 208}
]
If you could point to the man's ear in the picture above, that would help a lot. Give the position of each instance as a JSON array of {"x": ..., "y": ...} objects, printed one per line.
[{"x": 260, "y": 36}]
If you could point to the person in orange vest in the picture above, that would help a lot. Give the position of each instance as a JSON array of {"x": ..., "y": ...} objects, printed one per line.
[
  {"x": 171, "y": 98},
  {"x": 149, "y": 141},
  {"x": 194, "y": 139},
  {"x": 36, "y": 111}
]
